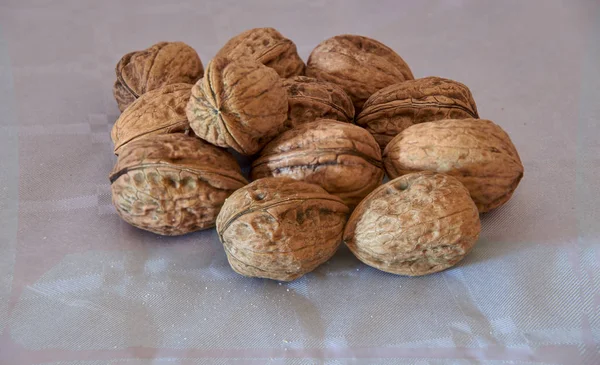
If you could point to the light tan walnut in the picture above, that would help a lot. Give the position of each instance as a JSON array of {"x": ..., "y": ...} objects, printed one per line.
[
  {"x": 280, "y": 229},
  {"x": 475, "y": 151},
  {"x": 417, "y": 224},
  {"x": 310, "y": 99},
  {"x": 360, "y": 65},
  {"x": 173, "y": 184},
  {"x": 341, "y": 157},
  {"x": 164, "y": 63},
  {"x": 392, "y": 109},
  {"x": 267, "y": 46},
  {"x": 159, "y": 111},
  {"x": 240, "y": 104}
]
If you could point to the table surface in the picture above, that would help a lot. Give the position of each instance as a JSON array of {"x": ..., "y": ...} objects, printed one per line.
[{"x": 79, "y": 286}]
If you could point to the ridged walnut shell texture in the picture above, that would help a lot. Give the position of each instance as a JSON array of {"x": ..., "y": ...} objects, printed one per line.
[
  {"x": 310, "y": 99},
  {"x": 342, "y": 158},
  {"x": 475, "y": 151},
  {"x": 417, "y": 224},
  {"x": 360, "y": 65},
  {"x": 173, "y": 184},
  {"x": 164, "y": 63},
  {"x": 159, "y": 111},
  {"x": 267, "y": 46},
  {"x": 280, "y": 229},
  {"x": 392, "y": 109},
  {"x": 240, "y": 104}
]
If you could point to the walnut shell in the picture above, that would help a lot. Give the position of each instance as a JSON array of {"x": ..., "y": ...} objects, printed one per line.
[
  {"x": 267, "y": 46},
  {"x": 360, "y": 65},
  {"x": 159, "y": 111},
  {"x": 417, "y": 224},
  {"x": 342, "y": 158},
  {"x": 392, "y": 109},
  {"x": 310, "y": 99},
  {"x": 280, "y": 229},
  {"x": 164, "y": 63},
  {"x": 240, "y": 104},
  {"x": 475, "y": 151},
  {"x": 173, "y": 184}
]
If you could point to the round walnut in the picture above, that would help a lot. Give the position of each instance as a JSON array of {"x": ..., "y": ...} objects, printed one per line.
[
  {"x": 360, "y": 65},
  {"x": 159, "y": 111},
  {"x": 173, "y": 184},
  {"x": 280, "y": 229},
  {"x": 417, "y": 224},
  {"x": 477, "y": 152},
  {"x": 162, "y": 64},
  {"x": 391, "y": 110},
  {"x": 310, "y": 99},
  {"x": 240, "y": 104},
  {"x": 341, "y": 157},
  {"x": 267, "y": 46}
]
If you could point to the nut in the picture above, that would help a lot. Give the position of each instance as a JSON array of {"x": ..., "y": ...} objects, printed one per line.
[
  {"x": 267, "y": 46},
  {"x": 280, "y": 229},
  {"x": 391, "y": 110},
  {"x": 310, "y": 99},
  {"x": 475, "y": 151},
  {"x": 173, "y": 184},
  {"x": 342, "y": 158},
  {"x": 360, "y": 65},
  {"x": 417, "y": 224},
  {"x": 159, "y": 111},
  {"x": 239, "y": 104},
  {"x": 164, "y": 63}
]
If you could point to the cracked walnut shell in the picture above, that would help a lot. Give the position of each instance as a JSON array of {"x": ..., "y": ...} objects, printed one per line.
[
  {"x": 240, "y": 104},
  {"x": 310, "y": 99},
  {"x": 164, "y": 63},
  {"x": 159, "y": 111},
  {"x": 417, "y": 224},
  {"x": 173, "y": 184},
  {"x": 392, "y": 109},
  {"x": 342, "y": 158},
  {"x": 475, "y": 151},
  {"x": 360, "y": 65},
  {"x": 280, "y": 229},
  {"x": 267, "y": 46}
]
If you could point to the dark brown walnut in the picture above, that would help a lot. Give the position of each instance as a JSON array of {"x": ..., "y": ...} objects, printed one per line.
[
  {"x": 173, "y": 184},
  {"x": 159, "y": 111},
  {"x": 280, "y": 229},
  {"x": 267, "y": 46},
  {"x": 164, "y": 63},
  {"x": 391, "y": 110},
  {"x": 475, "y": 151},
  {"x": 417, "y": 224},
  {"x": 240, "y": 104},
  {"x": 310, "y": 99},
  {"x": 360, "y": 65},
  {"x": 342, "y": 158}
]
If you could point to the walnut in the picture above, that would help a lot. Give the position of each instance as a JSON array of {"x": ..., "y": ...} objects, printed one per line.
[
  {"x": 342, "y": 158},
  {"x": 158, "y": 111},
  {"x": 310, "y": 99},
  {"x": 239, "y": 104},
  {"x": 417, "y": 224},
  {"x": 280, "y": 229},
  {"x": 360, "y": 65},
  {"x": 477, "y": 152},
  {"x": 162, "y": 64},
  {"x": 267, "y": 46},
  {"x": 173, "y": 184},
  {"x": 392, "y": 109}
]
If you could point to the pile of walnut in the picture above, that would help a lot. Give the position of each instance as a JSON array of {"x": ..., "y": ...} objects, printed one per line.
[{"x": 321, "y": 136}]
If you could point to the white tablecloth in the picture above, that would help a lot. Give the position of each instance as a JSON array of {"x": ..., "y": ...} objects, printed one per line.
[{"x": 79, "y": 286}]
